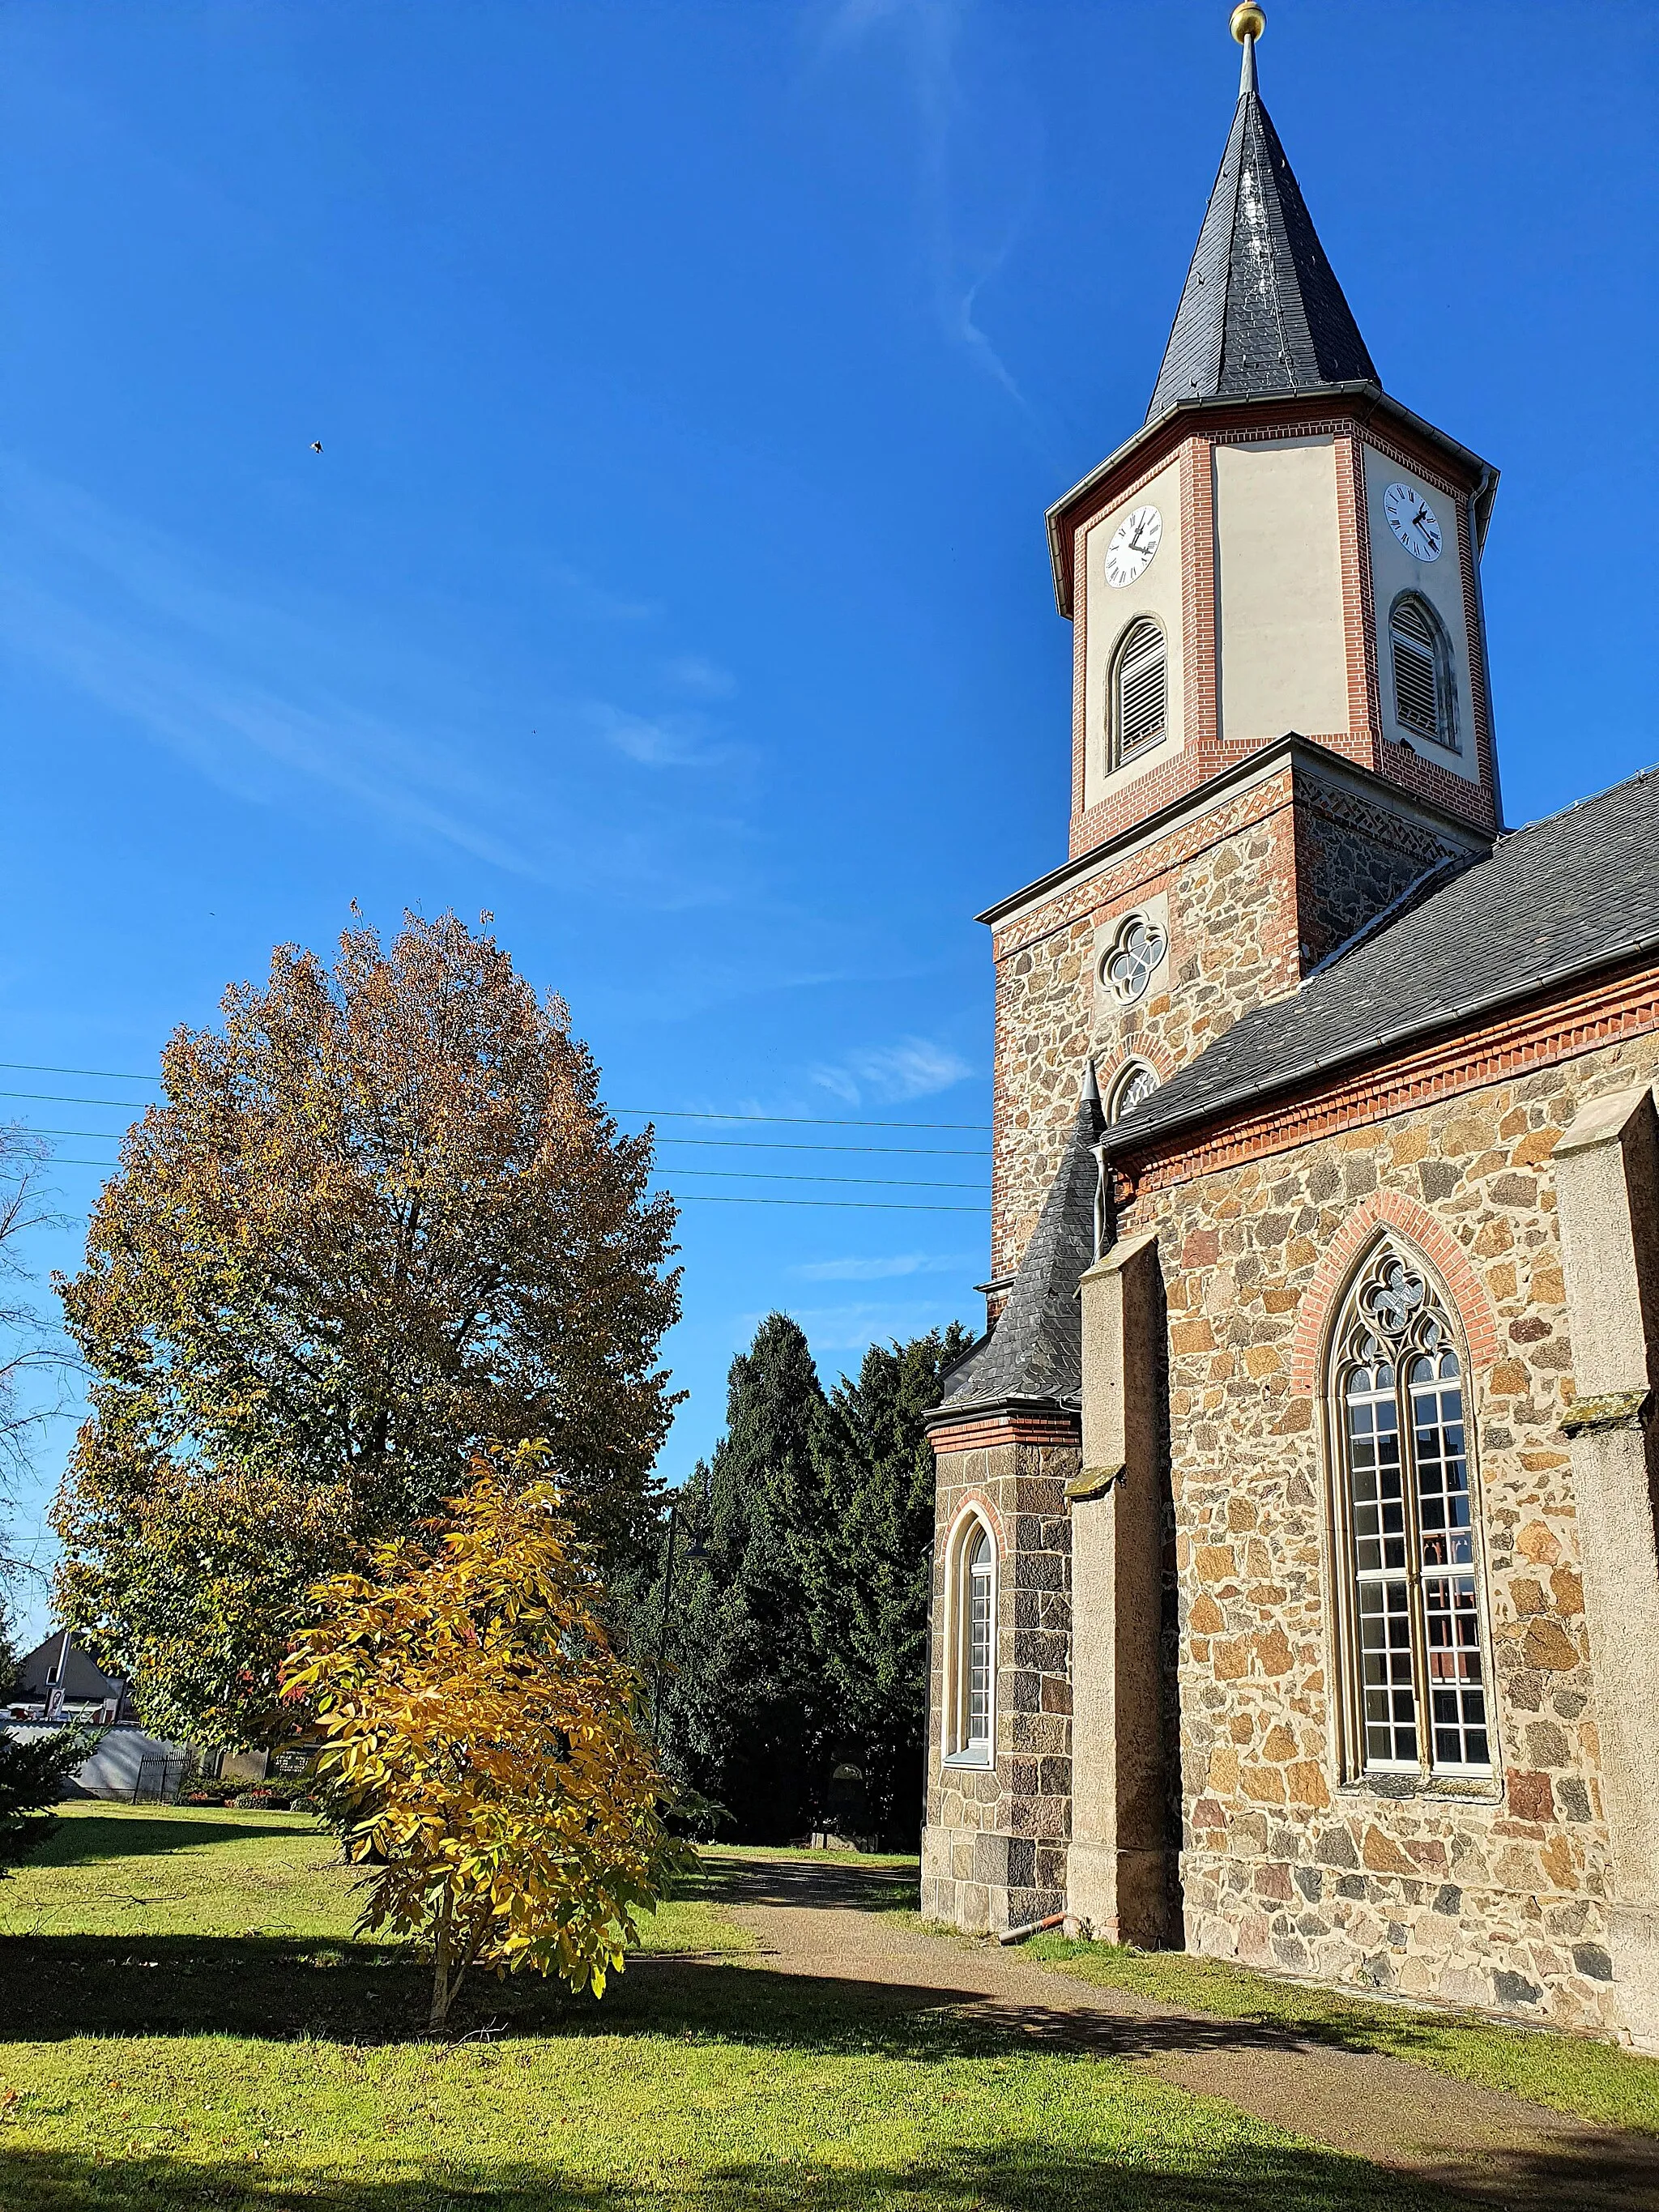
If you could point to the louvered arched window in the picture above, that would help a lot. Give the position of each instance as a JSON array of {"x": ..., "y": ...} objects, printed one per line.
[
  {"x": 1406, "y": 1506},
  {"x": 1424, "y": 701},
  {"x": 1139, "y": 692}
]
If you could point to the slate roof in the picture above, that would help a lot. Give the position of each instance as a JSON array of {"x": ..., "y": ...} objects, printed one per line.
[
  {"x": 1034, "y": 1354},
  {"x": 1574, "y": 893},
  {"x": 1262, "y": 310}
]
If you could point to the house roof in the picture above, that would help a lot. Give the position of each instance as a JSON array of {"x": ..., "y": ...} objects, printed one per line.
[
  {"x": 1261, "y": 311},
  {"x": 1035, "y": 1353},
  {"x": 1577, "y": 893}
]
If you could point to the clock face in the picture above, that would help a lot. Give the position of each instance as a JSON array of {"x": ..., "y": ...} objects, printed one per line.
[
  {"x": 1414, "y": 522},
  {"x": 1134, "y": 546}
]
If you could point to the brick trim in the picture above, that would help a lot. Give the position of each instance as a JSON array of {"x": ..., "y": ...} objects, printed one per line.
[
  {"x": 1314, "y": 415},
  {"x": 977, "y": 1501},
  {"x": 1385, "y": 1209},
  {"x": 1150, "y": 1049},
  {"x": 1004, "y": 1425},
  {"x": 1358, "y": 615},
  {"x": 1200, "y": 700},
  {"x": 1568, "y": 1023}
]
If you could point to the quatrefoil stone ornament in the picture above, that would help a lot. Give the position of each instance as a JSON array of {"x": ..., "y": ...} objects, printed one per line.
[
  {"x": 1390, "y": 1303},
  {"x": 1134, "y": 958}
]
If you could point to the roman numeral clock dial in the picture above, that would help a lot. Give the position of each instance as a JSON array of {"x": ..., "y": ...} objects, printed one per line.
[
  {"x": 1134, "y": 546},
  {"x": 1414, "y": 522}
]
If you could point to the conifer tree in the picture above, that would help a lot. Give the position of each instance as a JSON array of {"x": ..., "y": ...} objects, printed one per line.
[
  {"x": 800, "y": 1639},
  {"x": 749, "y": 1703},
  {"x": 866, "y": 1562}
]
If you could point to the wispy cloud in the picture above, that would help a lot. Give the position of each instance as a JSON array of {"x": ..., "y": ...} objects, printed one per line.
[
  {"x": 268, "y": 693},
  {"x": 656, "y": 740},
  {"x": 928, "y": 31},
  {"x": 852, "y": 1327},
  {"x": 913, "y": 1068},
  {"x": 706, "y": 679},
  {"x": 879, "y": 1270}
]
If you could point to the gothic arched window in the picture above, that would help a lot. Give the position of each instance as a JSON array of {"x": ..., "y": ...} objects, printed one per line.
[
  {"x": 1135, "y": 1082},
  {"x": 1139, "y": 692},
  {"x": 1419, "y": 1681},
  {"x": 970, "y": 1701},
  {"x": 1425, "y": 695}
]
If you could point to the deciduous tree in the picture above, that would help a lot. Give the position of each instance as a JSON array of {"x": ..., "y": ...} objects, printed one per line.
[
  {"x": 379, "y": 1219},
  {"x": 481, "y": 1750}
]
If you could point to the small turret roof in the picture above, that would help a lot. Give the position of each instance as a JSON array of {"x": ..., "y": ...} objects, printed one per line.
[
  {"x": 1262, "y": 310},
  {"x": 1034, "y": 1354}
]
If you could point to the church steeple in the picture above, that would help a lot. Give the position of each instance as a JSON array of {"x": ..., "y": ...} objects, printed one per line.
[{"x": 1262, "y": 311}]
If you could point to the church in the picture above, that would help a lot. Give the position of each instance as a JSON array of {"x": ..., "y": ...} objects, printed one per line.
[{"x": 1296, "y": 1598}]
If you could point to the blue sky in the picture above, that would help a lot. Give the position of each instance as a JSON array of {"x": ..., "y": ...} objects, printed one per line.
[{"x": 691, "y": 381}]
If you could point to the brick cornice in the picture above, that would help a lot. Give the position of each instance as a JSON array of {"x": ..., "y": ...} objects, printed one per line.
[
  {"x": 1388, "y": 1209},
  {"x": 1547, "y": 1029},
  {"x": 983, "y": 1428}
]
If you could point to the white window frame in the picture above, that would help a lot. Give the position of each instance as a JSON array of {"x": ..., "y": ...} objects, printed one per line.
[
  {"x": 959, "y": 1749},
  {"x": 1365, "y": 1322}
]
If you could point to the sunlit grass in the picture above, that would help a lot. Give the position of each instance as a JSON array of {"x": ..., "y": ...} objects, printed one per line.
[
  {"x": 1571, "y": 2072},
  {"x": 161, "y": 2056}
]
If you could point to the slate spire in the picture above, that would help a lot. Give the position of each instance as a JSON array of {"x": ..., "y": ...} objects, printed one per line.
[
  {"x": 1262, "y": 310},
  {"x": 1033, "y": 1356}
]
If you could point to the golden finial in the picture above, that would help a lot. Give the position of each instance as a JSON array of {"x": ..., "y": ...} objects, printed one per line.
[{"x": 1249, "y": 22}]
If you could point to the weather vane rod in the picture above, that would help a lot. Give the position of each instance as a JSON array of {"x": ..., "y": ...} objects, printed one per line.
[{"x": 1248, "y": 24}]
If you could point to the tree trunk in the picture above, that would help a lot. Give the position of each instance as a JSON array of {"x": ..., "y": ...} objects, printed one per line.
[{"x": 441, "y": 1991}]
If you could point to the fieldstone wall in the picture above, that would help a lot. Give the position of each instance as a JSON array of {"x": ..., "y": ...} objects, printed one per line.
[
  {"x": 1355, "y": 857},
  {"x": 1487, "y": 1894},
  {"x": 1253, "y": 890},
  {"x": 994, "y": 1848},
  {"x": 1227, "y": 880}
]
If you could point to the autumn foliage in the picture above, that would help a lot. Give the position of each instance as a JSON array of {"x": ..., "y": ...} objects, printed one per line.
[
  {"x": 481, "y": 1748},
  {"x": 379, "y": 1219}
]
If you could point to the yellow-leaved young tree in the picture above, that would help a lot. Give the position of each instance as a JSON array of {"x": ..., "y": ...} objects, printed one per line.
[{"x": 480, "y": 1747}]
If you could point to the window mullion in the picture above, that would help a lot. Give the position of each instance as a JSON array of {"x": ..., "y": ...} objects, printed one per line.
[{"x": 1419, "y": 1627}]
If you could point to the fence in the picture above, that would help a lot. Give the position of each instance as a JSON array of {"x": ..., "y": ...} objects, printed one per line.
[{"x": 159, "y": 1781}]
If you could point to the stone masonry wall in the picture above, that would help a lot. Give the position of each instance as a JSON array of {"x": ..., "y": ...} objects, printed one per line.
[
  {"x": 1229, "y": 881},
  {"x": 993, "y": 1849},
  {"x": 1489, "y": 1895},
  {"x": 1254, "y": 891},
  {"x": 1354, "y": 859}
]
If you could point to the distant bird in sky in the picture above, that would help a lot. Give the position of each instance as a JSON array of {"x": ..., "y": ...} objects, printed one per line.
[{"x": 316, "y": 445}]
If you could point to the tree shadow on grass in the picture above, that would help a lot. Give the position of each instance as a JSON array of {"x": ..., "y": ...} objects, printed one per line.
[
  {"x": 1016, "y": 2174},
  {"x": 803, "y": 1881},
  {"x": 365, "y": 1995},
  {"x": 103, "y": 1836},
  {"x": 1013, "y": 2176}
]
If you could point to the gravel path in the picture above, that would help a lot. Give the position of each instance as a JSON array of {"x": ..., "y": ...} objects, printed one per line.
[{"x": 1480, "y": 2145}]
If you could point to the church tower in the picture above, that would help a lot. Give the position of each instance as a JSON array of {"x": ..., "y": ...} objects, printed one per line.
[
  {"x": 1281, "y": 741},
  {"x": 1281, "y": 724}
]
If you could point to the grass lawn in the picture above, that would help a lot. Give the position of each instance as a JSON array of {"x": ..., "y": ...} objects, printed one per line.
[
  {"x": 1568, "y": 2072},
  {"x": 186, "y": 2020}
]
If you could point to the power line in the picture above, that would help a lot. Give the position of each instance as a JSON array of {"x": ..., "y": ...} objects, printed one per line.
[
  {"x": 105, "y": 1074},
  {"x": 723, "y": 1144},
  {"x": 798, "y": 1120},
  {"x": 643, "y": 1113},
  {"x": 867, "y": 1183},
  {"x": 732, "y": 1174},
  {"x": 857, "y": 1204},
  {"x": 737, "y": 1198},
  {"x": 881, "y": 1152}
]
